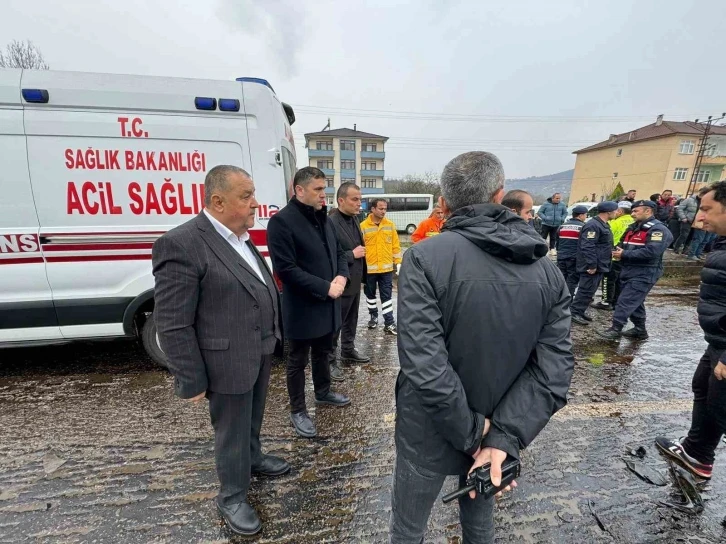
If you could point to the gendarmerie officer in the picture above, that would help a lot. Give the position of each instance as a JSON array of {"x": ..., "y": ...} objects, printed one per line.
[
  {"x": 594, "y": 253},
  {"x": 567, "y": 240},
  {"x": 641, "y": 252}
]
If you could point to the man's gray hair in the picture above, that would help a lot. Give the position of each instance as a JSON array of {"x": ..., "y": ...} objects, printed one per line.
[
  {"x": 471, "y": 178},
  {"x": 216, "y": 180}
]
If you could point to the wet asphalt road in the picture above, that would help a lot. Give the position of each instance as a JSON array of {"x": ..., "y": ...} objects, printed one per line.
[{"x": 95, "y": 448}]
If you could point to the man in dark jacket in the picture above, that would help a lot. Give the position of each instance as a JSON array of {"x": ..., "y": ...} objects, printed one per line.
[
  {"x": 350, "y": 237},
  {"x": 553, "y": 214},
  {"x": 641, "y": 253},
  {"x": 567, "y": 239},
  {"x": 311, "y": 264},
  {"x": 484, "y": 347},
  {"x": 708, "y": 422},
  {"x": 594, "y": 253},
  {"x": 665, "y": 207}
]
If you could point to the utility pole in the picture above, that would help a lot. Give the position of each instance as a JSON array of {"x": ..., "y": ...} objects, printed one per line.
[{"x": 702, "y": 147}]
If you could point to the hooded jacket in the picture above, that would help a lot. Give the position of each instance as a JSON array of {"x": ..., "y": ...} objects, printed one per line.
[
  {"x": 483, "y": 331},
  {"x": 552, "y": 215},
  {"x": 688, "y": 208}
]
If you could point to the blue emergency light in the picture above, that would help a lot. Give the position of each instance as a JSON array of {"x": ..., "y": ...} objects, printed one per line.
[
  {"x": 36, "y": 96},
  {"x": 205, "y": 103},
  {"x": 256, "y": 80},
  {"x": 228, "y": 104}
]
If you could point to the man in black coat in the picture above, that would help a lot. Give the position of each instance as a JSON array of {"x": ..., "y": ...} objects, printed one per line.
[
  {"x": 567, "y": 240},
  {"x": 350, "y": 237},
  {"x": 594, "y": 254},
  {"x": 697, "y": 450},
  {"x": 484, "y": 346},
  {"x": 312, "y": 266}
]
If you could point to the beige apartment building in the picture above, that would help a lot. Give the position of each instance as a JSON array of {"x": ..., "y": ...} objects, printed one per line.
[
  {"x": 649, "y": 159},
  {"x": 346, "y": 154}
]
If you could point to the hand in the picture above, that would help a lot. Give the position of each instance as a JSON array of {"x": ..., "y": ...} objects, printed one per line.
[
  {"x": 341, "y": 280},
  {"x": 618, "y": 252},
  {"x": 591, "y": 271},
  {"x": 335, "y": 291},
  {"x": 496, "y": 458},
  {"x": 359, "y": 252},
  {"x": 720, "y": 371},
  {"x": 198, "y": 398}
]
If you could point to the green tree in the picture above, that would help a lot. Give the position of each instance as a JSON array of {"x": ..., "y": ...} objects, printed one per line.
[{"x": 617, "y": 193}]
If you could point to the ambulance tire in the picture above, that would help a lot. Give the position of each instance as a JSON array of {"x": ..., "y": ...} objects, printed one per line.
[
  {"x": 150, "y": 341},
  {"x": 410, "y": 229}
]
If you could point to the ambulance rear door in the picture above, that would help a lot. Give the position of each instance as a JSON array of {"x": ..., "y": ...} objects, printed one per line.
[{"x": 26, "y": 304}]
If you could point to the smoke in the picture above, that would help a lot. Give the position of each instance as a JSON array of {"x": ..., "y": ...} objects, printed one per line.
[{"x": 278, "y": 23}]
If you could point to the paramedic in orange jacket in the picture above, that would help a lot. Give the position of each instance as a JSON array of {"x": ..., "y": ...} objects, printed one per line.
[{"x": 430, "y": 226}]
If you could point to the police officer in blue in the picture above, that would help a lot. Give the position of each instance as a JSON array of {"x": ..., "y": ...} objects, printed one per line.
[
  {"x": 641, "y": 253},
  {"x": 594, "y": 253},
  {"x": 567, "y": 239}
]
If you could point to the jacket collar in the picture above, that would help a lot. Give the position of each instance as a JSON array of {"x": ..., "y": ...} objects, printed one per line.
[{"x": 311, "y": 213}]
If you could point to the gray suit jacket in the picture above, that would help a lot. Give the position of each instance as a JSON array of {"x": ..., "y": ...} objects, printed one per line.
[{"x": 210, "y": 310}]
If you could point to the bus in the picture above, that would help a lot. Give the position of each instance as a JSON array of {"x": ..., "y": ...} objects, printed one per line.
[{"x": 405, "y": 210}]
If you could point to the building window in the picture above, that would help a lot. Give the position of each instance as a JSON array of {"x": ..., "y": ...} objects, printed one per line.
[
  {"x": 615, "y": 174},
  {"x": 324, "y": 146},
  {"x": 687, "y": 147},
  {"x": 330, "y": 182},
  {"x": 680, "y": 174},
  {"x": 369, "y": 183},
  {"x": 369, "y": 147},
  {"x": 329, "y": 200},
  {"x": 620, "y": 152},
  {"x": 702, "y": 176},
  {"x": 347, "y": 165},
  {"x": 368, "y": 165},
  {"x": 347, "y": 145},
  {"x": 325, "y": 164}
]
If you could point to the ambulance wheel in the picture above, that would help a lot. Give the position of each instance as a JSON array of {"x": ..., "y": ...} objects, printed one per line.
[
  {"x": 410, "y": 229},
  {"x": 150, "y": 341}
]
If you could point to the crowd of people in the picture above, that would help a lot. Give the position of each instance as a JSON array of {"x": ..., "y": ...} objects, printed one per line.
[{"x": 466, "y": 396}]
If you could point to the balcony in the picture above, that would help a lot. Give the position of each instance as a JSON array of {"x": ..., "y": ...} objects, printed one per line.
[
  {"x": 372, "y": 190},
  {"x": 372, "y": 154},
  {"x": 321, "y": 153},
  {"x": 371, "y": 173},
  {"x": 347, "y": 155},
  {"x": 330, "y": 190},
  {"x": 347, "y": 174},
  {"x": 328, "y": 171}
]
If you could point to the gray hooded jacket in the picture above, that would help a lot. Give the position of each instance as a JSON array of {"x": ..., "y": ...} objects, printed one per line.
[{"x": 483, "y": 331}]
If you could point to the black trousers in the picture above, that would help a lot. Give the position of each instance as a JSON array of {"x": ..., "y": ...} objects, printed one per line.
[
  {"x": 384, "y": 282},
  {"x": 674, "y": 225},
  {"x": 611, "y": 283},
  {"x": 319, "y": 350},
  {"x": 547, "y": 230},
  {"x": 586, "y": 289},
  {"x": 568, "y": 267},
  {"x": 349, "y": 315},
  {"x": 708, "y": 421},
  {"x": 631, "y": 303},
  {"x": 237, "y": 420}
]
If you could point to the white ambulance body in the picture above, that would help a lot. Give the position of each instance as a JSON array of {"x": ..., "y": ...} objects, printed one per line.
[{"x": 95, "y": 167}]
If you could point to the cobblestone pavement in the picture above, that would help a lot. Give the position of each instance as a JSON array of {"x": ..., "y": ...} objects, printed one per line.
[{"x": 95, "y": 448}]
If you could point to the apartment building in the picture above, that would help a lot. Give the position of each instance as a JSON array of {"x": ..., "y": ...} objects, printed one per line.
[
  {"x": 346, "y": 154},
  {"x": 649, "y": 159}
]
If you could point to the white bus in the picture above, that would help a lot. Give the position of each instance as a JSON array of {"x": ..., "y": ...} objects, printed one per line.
[{"x": 405, "y": 210}]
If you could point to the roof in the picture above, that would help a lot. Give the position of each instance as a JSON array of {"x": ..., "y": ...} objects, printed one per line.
[
  {"x": 649, "y": 132},
  {"x": 345, "y": 133}
]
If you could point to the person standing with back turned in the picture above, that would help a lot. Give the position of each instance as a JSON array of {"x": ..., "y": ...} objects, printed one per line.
[
  {"x": 312, "y": 267},
  {"x": 484, "y": 346}
]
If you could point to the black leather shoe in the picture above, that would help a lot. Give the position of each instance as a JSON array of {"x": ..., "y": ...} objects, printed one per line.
[
  {"x": 603, "y": 306},
  {"x": 354, "y": 357},
  {"x": 241, "y": 518},
  {"x": 636, "y": 333},
  {"x": 587, "y": 317},
  {"x": 336, "y": 373},
  {"x": 333, "y": 399},
  {"x": 610, "y": 334},
  {"x": 580, "y": 320},
  {"x": 303, "y": 425},
  {"x": 271, "y": 466}
]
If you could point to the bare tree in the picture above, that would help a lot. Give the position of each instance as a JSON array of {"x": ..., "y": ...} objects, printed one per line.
[
  {"x": 426, "y": 183},
  {"x": 22, "y": 55}
]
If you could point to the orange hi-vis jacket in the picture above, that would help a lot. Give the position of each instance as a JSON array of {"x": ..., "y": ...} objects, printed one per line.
[
  {"x": 383, "y": 249},
  {"x": 431, "y": 226}
]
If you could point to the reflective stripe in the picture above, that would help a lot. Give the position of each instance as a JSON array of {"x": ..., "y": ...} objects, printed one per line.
[
  {"x": 372, "y": 229},
  {"x": 388, "y": 311},
  {"x": 396, "y": 255},
  {"x": 383, "y": 268},
  {"x": 372, "y": 267}
]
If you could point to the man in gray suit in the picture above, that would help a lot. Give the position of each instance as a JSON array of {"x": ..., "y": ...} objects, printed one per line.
[{"x": 216, "y": 312}]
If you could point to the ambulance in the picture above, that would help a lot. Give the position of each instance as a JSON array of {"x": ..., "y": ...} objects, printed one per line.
[{"x": 95, "y": 167}]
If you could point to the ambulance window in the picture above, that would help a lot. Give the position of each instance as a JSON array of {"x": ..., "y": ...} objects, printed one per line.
[{"x": 288, "y": 166}]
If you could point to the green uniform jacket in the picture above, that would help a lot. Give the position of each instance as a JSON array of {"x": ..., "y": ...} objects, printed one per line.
[{"x": 619, "y": 226}]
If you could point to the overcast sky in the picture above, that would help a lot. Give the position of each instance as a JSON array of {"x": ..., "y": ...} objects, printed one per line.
[{"x": 530, "y": 80}]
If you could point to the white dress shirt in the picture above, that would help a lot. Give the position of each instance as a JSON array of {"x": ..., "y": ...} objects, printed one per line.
[{"x": 238, "y": 243}]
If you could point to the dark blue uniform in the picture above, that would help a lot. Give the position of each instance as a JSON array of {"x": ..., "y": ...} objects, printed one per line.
[
  {"x": 594, "y": 251},
  {"x": 567, "y": 240},
  {"x": 643, "y": 246}
]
